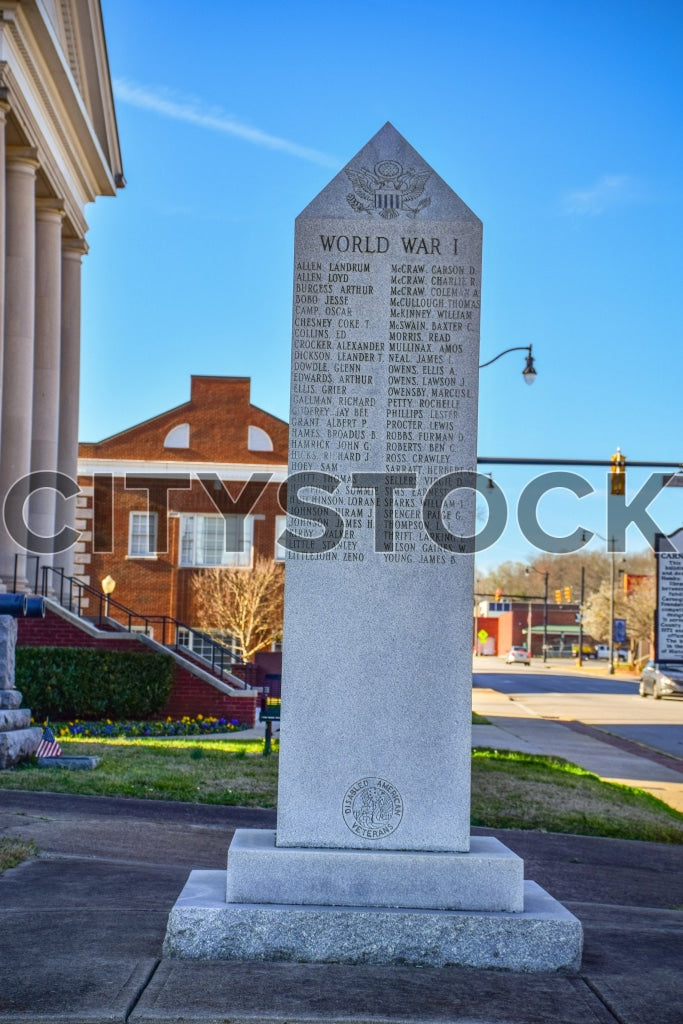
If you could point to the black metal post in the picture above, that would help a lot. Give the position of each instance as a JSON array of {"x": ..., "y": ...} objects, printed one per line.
[
  {"x": 611, "y": 611},
  {"x": 583, "y": 587},
  {"x": 545, "y": 618}
]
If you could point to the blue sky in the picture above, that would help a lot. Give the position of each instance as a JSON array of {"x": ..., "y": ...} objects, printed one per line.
[{"x": 558, "y": 124}]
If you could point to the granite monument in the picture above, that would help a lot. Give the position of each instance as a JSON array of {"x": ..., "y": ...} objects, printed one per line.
[{"x": 372, "y": 859}]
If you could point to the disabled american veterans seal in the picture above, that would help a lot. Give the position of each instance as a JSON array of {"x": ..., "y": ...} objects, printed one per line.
[{"x": 372, "y": 808}]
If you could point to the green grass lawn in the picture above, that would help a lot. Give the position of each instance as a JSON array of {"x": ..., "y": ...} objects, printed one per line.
[
  {"x": 514, "y": 790},
  {"x": 509, "y": 790},
  {"x": 196, "y": 771}
]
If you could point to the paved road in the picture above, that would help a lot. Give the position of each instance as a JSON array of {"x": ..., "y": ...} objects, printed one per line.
[{"x": 607, "y": 702}]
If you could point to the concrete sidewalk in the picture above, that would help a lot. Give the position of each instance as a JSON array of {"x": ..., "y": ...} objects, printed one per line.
[
  {"x": 515, "y": 726},
  {"x": 82, "y": 930}
]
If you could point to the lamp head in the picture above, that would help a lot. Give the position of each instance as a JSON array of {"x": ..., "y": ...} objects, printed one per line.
[
  {"x": 108, "y": 585},
  {"x": 529, "y": 371}
]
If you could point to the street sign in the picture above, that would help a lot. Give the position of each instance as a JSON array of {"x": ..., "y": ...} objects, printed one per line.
[
  {"x": 672, "y": 480},
  {"x": 483, "y": 635},
  {"x": 619, "y": 631},
  {"x": 669, "y": 613}
]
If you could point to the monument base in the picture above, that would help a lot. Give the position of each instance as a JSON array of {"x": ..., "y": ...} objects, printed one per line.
[
  {"x": 488, "y": 877},
  {"x": 202, "y": 926},
  {"x": 19, "y": 744},
  {"x": 372, "y": 907}
]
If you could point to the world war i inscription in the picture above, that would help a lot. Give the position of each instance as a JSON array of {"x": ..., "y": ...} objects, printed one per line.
[{"x": 381, "y": 325}]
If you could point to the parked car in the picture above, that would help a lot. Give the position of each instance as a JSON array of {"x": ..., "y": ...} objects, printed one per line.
[
  {"x": 518, "y": 654},
  {"x": 661, "y": 679},
  {"x": 602, "y": 652},
  {"x": 587, "y": 651}
]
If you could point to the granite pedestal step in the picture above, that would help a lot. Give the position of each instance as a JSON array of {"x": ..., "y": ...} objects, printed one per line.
[
  {"x": 487, "y": 877},
  {"x": 18, "y": 744},
  {"x": 542, "y": 936}
]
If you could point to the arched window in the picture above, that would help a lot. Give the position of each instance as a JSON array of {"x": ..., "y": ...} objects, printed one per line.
[
  {"x": 259, "y": 441},
  {"x": 178, "y": 437}
]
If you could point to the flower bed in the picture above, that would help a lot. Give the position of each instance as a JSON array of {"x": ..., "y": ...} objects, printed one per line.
[{"x": 168, "y": 727}]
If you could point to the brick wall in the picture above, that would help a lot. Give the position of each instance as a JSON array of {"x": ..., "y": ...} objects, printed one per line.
[{"x": 190, "y": 695}]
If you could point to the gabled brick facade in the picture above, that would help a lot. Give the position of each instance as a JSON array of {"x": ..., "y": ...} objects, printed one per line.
[{"x": 199, "y": 459}]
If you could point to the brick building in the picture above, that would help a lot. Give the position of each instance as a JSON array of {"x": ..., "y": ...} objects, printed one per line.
[
  {"x": 194, "y": 487},
  {"x": 506, "y": 624}
]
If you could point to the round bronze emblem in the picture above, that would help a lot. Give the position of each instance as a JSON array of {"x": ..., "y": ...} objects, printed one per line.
[{"x": 372, "y": 808}]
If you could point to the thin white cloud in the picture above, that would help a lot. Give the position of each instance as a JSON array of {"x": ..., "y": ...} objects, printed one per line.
[
  {"x": 214, "y": 120},
  {"x": 609, "y": 190}
]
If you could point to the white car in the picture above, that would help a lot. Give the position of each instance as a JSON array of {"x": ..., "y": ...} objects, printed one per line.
[
  {"x": 602, "y": 653},
  {"x": 518, "y": 654}
]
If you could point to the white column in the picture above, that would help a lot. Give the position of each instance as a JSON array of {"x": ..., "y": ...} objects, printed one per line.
[
  {"x": 4, "y": 108},
  {"x": 46, "y": 367},
  {"x": 17, "y": 385},
  {"x": 73, "y": 250}
]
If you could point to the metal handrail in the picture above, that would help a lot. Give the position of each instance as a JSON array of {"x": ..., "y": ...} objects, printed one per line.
[{"x": 170, "y": 626}]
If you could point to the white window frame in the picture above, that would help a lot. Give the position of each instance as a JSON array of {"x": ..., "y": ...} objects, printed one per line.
[
  {"x": 280, "y": 553},
  {"x": 194, "y": 641},
  {"x": 258, "y": 440},
  {"x": 151, "y": 533},
  {"x": 200, "y": 542}
]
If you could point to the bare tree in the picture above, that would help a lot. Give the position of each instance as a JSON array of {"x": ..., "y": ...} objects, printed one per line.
[
  {"x": 247, "y": 604},
  {"x": 637, "y": 608}
]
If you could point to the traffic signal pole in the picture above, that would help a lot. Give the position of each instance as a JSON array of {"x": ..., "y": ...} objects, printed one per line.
[{"x": 583, "y": 586}]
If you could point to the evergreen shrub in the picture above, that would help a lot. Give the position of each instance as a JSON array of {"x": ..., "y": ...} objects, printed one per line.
[{"x": 79, "y": 682}]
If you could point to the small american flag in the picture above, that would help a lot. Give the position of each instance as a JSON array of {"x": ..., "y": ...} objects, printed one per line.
[{"x": 48, "y": 746}]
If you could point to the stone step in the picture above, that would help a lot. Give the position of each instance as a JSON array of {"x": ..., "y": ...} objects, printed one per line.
[
  {"x": 14, "y": 718},
  {"x": 17, "y": 745},
  {"x": 10, "y": 699}
]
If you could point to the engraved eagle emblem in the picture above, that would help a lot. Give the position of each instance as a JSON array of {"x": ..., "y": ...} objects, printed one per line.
[{"x": 388, "y": 190}]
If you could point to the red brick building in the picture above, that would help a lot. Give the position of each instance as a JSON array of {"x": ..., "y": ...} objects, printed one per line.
[
  {"x": 507, "y": 625},
  {"x": 194, "y": 487}
]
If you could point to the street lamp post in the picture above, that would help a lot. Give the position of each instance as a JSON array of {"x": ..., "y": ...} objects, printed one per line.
[{"x": 108, "y": 585}]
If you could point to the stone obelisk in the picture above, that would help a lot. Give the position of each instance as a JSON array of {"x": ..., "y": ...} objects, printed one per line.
[{"x": 377, "y": 662}]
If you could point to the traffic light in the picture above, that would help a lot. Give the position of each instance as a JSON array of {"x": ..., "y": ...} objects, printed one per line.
[
  {"x": 618, "y": 473},
  {"x": 558, "y": 597},
  {"x": 497, "y": 594},
  {"x": 567, "y": 594}
]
